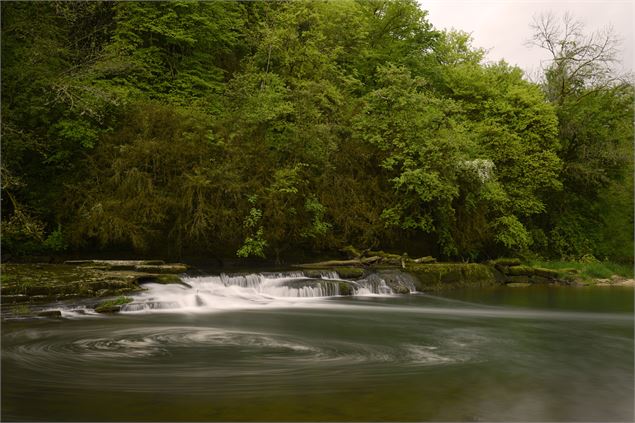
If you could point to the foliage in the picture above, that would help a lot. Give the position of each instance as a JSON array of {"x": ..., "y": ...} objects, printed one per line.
[
  {"x": 592, "y": 270},
  {"x": 277, "y": 129},
  {"x": 594, "y": 105}
]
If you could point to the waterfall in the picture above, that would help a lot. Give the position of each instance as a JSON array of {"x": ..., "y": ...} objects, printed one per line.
[
  {"x": 275, "y": 289},
  {"x": 373, "y": 284}
]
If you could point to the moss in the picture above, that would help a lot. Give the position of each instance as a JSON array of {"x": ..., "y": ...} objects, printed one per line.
[
  {"x": 350, "y": 272},
  {"x": 541, "y": 279},
  {"x": 546, "y": 273},
  {"x": 345, "y": 288},
  {"x": 591, "y": 270},
  {"x": 451, "y": 275},
  {"x": 314, "y": 273},
  {"x": 112, "y": 306},
  {"x": 164, "y": 279},
  {"x": 52, "y": 281},
  {"x": 520, "y": 271},
  {"x": 520, "y": 279}
]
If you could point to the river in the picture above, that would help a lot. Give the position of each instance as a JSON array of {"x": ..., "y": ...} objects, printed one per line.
[{"x": 257, "y": 350}]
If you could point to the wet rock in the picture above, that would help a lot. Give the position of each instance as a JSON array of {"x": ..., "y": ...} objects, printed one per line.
[
  {"x": 162, "y": 279},
  {"x": 345, "y": 288},
  {"x": 50, "y": 313},
  {"x": 112, "y": 306},
  {"x": 108, "y": 309},
  {"x": 399, "y": 282},
  {"x": 314, "y": 273},
  {"x": 349, "y": 272}
]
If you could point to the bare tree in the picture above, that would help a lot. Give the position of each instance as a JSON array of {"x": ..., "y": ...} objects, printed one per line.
[{"x": 579, "y": 62}]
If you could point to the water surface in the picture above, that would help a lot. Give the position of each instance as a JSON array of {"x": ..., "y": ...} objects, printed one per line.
[{"x": 506, "y": 354}]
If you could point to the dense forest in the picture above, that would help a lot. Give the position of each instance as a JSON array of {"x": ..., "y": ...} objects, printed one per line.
[{"x": 289, "y": 128}]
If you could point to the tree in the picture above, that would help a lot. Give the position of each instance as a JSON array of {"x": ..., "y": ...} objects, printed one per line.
[
  {"x": 580, "y": 62},
  {"x": 594, "y": 104}
]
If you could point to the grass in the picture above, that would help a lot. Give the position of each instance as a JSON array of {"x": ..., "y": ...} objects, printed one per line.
[{"x": 595, "y": 270}]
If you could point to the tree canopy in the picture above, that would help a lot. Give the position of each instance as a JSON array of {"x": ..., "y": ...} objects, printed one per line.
[{"x": 282, "y": 129}]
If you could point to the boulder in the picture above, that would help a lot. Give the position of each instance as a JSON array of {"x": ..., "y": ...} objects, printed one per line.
[{"x": 112, "y": 306}]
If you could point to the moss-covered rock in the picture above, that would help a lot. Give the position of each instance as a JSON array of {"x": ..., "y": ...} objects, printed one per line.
[
  {"x": 536, "y": 279},
  {"x": 163, "y": 279},
  {"x": 349, "y": 272},
  {"x": 451, "y": 275},
  {"x": 112, "y": 306},
  {"x": 400, "y": 282},
  {"x": 520, "y": 279},
  {"x": 50, "y": 313},
  {"x": 173, "y": 268},
  {"x": 51, "y": 282},
  {"x": 520, "y": 271},
  {"x": 546, "y": 273},
  {"x": 314, "y": 273},
  {"x": 345, "y": 288}
]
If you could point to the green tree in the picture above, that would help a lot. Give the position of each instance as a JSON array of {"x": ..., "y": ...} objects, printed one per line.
[{"x": 594, "y": 104}]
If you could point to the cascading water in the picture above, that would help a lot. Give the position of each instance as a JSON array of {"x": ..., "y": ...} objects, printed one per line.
[{"x": 239, "y": 291}]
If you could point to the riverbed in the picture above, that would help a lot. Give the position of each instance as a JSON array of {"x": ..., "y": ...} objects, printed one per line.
[{"x": 540, "y": 353}]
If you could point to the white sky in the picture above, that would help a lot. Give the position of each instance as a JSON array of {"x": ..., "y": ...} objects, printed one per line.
[{"x": 502, "y": 26}]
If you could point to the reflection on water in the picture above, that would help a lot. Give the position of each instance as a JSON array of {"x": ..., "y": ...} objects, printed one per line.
[{"x": 464, "y": 356}]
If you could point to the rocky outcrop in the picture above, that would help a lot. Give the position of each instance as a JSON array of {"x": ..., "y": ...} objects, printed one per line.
[
  {"x": 36, "y": 283},
  {"x": 439, "y": 276},
  {"x": 147, "y": 266},
  {"x": 511, "y": 271}
]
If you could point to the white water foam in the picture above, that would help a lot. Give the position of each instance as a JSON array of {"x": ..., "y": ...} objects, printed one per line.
[{"x": 255, "y": 290}]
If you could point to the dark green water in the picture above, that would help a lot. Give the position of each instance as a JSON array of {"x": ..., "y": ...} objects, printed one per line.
[{"x": 509, "y": 354}]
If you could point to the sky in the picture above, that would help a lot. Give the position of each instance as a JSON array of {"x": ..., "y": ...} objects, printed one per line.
[{"x": 503, "y": 26}]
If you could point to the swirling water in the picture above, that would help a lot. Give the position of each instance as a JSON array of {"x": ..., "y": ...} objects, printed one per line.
[{"x": 254, "y": 352}]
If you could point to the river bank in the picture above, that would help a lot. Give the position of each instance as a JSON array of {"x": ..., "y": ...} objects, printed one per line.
[{"x": 104, "y": 285}]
